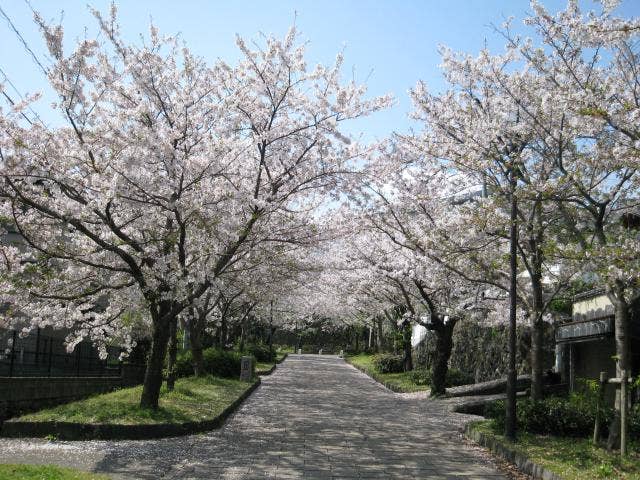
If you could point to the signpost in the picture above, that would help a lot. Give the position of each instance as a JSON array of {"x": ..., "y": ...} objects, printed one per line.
[{"x": 246, "y": 369}]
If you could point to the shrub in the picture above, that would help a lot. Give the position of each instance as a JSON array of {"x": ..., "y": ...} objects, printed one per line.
[
  {"x": 221, "y": 363},
  {"x": 456, "y": 377},
  {"x": 184, "y": 364},
  {"x": 422, "y": 376},
  {"x": 573, "y": 416},
  {"x": 260, "y": 352},
  {"x": 388, "y": 363},
  {"x": 634, "y": 421}
]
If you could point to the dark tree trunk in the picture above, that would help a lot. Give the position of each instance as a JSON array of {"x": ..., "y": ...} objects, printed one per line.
[
  {"x": 272, "y": 331},
  {"x": 537, "y": 358},
  {"x": 357, "y": 335},
  {"x": 243, "y": 334},
  {"x": 394, "y": 332},
  {"x": 379, "y": 339},
  {"x": 153, "y": 374},
  {"x": 444, "y": 345},
  {"x": 510, "y": 404},
  {"x": 173, "y": 354},
  {"x": 406, "y": 347},
  {"x": 622, "y": 352},
  {"x": 223, "y": 333},
  {"x": 537, "y": 324},
  {"x": 195, "y": 334}
]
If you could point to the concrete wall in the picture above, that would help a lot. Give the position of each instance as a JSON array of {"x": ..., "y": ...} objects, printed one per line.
[
  {"x": 480, "y": 351},
  {"x": 20, "y": 394},
  {"x": 601, "y": 302}
]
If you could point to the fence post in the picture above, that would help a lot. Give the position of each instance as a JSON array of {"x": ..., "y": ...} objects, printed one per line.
[
  {"x": 13, "y": 353},
  {"x": 50, "y": 355},
  {"x": 599, "y": 403}
]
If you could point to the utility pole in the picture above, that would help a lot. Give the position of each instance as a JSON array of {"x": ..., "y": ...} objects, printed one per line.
[{"x": 510, "y": 418}]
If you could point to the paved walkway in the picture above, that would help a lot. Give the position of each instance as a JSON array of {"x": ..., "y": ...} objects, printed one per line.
[{"x": 314, "y": 418}]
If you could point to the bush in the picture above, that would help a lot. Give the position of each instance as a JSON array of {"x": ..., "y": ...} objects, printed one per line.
[
  {"x": 221, "y": 363},
  {"x": 455, "y": 377},
  {"x": 422, "y": 376},
  {"x": 260, "y": 352},
  {"x": 634, "y": 421},
  {"x": 184, "y": 364},
  {"x": 573, "y": 416},
  {"x": 388, "y": 363}
]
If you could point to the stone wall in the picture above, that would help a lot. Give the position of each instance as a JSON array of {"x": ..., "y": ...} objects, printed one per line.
[
  {"x": 482, "y": 352},
  {"x": 21, "y": 394}
]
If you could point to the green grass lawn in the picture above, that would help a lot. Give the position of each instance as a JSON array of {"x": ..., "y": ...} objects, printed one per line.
[
  {"x": 194, "y": 399},
  {"x": 400, "y": 382},
  {"x": 265, "y": 366},
  {"x": 45, "y": 472},
  {"x": 572, "y": 458}
]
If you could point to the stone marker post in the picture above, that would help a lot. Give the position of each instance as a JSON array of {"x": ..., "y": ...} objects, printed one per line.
[
  {"x": 341, "y": 353},
  {"x": 299, "y": 351},
  {"x": 246, "y": 369}
]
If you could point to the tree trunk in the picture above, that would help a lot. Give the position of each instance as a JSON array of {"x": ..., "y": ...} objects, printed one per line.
[
  {"x": 272, "y": 331},
  {"x": 537, "y": 325},
  {"x": 510, "y": 404},
  {"x": 173, "y": 354},
  {"x": 537, "y": 358},
  {"x": 153, "y": 374},
  {"x": 622, "y": 353},
  {"x": 444, "y": 345},
  {"x": 243, "y": 333},
  {"x": 379, "y": 344},
  {"x": 223, "y": 332},
  {"x": 195, "y": 334},
  {"x": 357, "y": 335},
  {"x": 406, "y": 347}
]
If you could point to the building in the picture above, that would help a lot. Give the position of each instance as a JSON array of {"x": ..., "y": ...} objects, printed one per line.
[{"x": 586, "y": 345}]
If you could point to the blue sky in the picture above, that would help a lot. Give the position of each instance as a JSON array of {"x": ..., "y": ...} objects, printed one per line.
[{"x": 390, "y": 44}]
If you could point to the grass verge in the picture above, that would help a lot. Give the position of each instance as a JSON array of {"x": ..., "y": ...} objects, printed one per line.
[
  {"x": 263, "y": 367},
  {"x": 192, "y": 400},
  {"x": 398, "y": 382},
  {"x": 45, "y": 472},
  {"x": 570, "y": 458}
]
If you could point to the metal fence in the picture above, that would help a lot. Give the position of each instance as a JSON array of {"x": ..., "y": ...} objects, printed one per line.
[{"x": 42, "y": 353}]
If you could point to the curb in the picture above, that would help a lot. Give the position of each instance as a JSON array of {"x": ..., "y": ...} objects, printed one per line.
[
  {"x": 272, "y": 369},
  {"x": 106, "y": 431},
  {"x": 508, "y": 453},
  {"x": 262, "y": 373}
]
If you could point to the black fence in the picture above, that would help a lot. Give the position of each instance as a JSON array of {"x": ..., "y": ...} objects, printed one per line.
[{"x": 42, "y": 353}]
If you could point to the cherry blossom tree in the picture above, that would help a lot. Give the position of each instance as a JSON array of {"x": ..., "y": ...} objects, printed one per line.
[
  {"x": 480, "y": 127},
  {"x": 166, "y": 173},
  {"x": 589, "y": 66}
]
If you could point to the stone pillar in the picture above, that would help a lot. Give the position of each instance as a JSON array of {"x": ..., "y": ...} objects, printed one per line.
[{"x": 246, "y": 369}]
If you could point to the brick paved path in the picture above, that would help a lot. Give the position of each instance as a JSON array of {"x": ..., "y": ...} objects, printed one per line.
[{"x": 314, "y": 418}]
